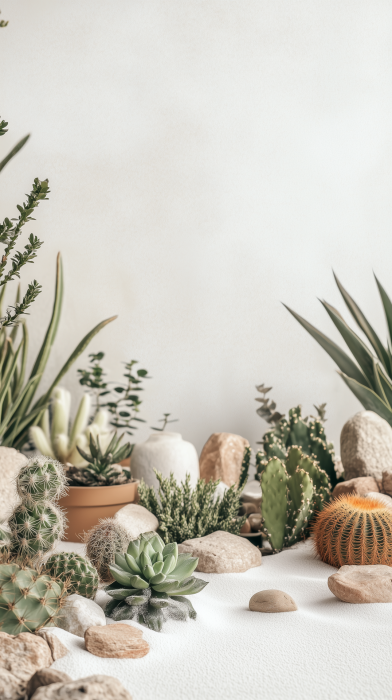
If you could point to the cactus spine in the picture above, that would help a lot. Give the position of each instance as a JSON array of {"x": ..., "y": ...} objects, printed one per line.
[
  {"x": 82, "y": 576},
  {"x": 354, "y": 530},
  {"x": 291, "y": 491},
  {"x": 28, "y": 600}
]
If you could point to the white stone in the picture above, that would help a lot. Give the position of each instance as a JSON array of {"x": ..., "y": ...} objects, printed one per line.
[
  {"x": 136, "y": 519},
  {"x": 79, "y": 614},
  {"x": 252, "y": 493},
  {"x": 382, "y": 497},
  {"x": 222, "y": 553},
  {"x": 366, "y": 446},
  {"x": 165, "y": 452},
  {"x": 11, "y": 461}
]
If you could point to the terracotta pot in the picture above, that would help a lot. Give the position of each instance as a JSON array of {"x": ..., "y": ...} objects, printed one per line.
[{"x": 85, "y": 505}]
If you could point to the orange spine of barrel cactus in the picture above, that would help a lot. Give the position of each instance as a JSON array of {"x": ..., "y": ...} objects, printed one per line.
[{"x": 354, "y": 530}]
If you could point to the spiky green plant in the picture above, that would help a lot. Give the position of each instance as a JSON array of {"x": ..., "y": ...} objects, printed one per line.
[
  {"x": 102, "y": 468},
  {"x": 150, "y": 582},
  {"x": 291, "y": 492},
  {"x": 103, "y": 542},
  {"x": 37, "y": 523},
  {"x": 81, "y": 575},
  {"x": 369, "y": 374},
  {"x": 28, "y": 600},
  {"x": 185, "y": 513}
]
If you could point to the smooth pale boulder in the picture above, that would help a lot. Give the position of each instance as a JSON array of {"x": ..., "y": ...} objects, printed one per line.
[
  {"x": 366, "y": 446},
  {"x": 382, "y": 497},
  {"x": 117, "y": 641},
  {"x": 222, "y": 553},
  {"x": 221, "y": 458},
  {"x": 45, "y": 676},
  {"x": 78, "y": 614},
  {"x": 23, "y": 654},
  {"x": 136, "y": 519},
  {"x": 272, "y": 601},
  {"x": 362, "y": 584},
  {"x": 91, "y": 688},
  {"x": 359, "y": 486},
  {"x": 11, "y": 462}
]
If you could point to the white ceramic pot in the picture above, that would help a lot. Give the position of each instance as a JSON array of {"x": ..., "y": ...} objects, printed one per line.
[{"x": 165, "y": 452}]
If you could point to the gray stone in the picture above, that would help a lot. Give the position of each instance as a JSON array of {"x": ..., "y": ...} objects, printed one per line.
[
  {"x": 221, "y": 458},
  {"x": 136, "y": 519},
  {"x": 11, "y": 461},
  {"x": 272, "y": 601},
  {"x": 45, "y": 676},
  {"x": 366, "y": 446},
  {"x": 79, "y": 614},
  {"x": 222, "y": 553},
  {"x": 359, "y": 486},
  {"x": 362, "y": 584},
  {"x": 90, "y": 688}
]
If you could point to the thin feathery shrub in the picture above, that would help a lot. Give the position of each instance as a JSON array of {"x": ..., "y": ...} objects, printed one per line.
[{"x": 354, "y": 530}]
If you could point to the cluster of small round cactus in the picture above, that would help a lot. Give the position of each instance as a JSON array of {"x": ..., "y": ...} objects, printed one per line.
[{"x": 81, "y": 576}]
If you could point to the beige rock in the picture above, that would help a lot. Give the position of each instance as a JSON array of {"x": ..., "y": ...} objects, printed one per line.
[
  {"x": 11, "y": 462},
  {"x": 222, "y": 553},
  {"x": 386, "y": 483},
  {"x": 221, "y": 457},
  {"x": 56, "y": 647},
  {"x": 247, "y": 509},
  {"x": 45, "y": 676},
  {"x": 91, "y": 688},
  {"x": 246, "y": 528},
  {"x": 136, "y": 519},
  {"x": 362, "y": 584},
  {"x": 359, "y": 486},
  {"x": 117, "y": 641},
  {"x": 23, "y": 654},
  {"x": 366, "y": 446},
  {"x": 272, "y": 601},
  {"x": 79, "y": 613},
  {"x": 382, "y": 497},
  {"x": 11, "y": 688},
  {"x": 252, "y": 493},
  {"x": 255, "y": 522}
]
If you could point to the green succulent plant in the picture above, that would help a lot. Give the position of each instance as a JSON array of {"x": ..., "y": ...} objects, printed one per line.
[
  {"x": 369, "y": 374},
  {"x": 151, "y": 579},
  {"x": 81, "y": 575},
  {"x": 292, "y": 490},
  {"x": 28, "y": 600},
  {"x": 102, "y": 468}
]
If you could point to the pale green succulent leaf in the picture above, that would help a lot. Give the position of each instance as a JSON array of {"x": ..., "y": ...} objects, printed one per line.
[
  {"x": 122, "y": 577},
  {"x": 134, "y": 548},
  {"x": 138, "y": 582},
  {"x": 132, "y": 564}
]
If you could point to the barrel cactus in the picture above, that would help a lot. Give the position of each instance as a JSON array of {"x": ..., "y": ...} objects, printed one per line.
[
  {"x": 28, "y": 600},
  {"x": 291, "y": 492},
  {"x": 151, "y": 579},
  {"x": 103, "y": 542},
  {"x": 81, "y": 575},
  {"x": 353, "y": 530}
]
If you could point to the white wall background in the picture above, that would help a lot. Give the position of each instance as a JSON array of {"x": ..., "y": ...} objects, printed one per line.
[{"x": 207, "y": 160}]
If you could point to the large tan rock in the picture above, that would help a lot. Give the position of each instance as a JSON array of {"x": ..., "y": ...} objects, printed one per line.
[
  {"x": 136, "y": 519},
  {"x": 272, "y": 601},
  {"x": 359, "y": 486},
  {"x": 366, "y": 446},
  {"x": 11, "y": 461},
  {"x": 45, "y": 676},
  {"x": 221, "y": 458},
  {"x": 23, "y": 654},
  {"x": 222, "y": 553},
  {"x": 91, "y": 688},
  {"x": 117, "y": 641},
  {"x": 386, "y": 483},
  {"x": 11, "y": 688},
  {"x": 57, "y": 648},
  {"x": 362, "y": 584}
]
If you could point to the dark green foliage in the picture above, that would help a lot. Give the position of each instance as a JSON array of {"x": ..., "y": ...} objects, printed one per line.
[
  {"x": 99, "y": 471},
  {"x": 185, "y": 513}
]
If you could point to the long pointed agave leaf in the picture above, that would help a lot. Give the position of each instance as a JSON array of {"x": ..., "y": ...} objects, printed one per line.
[
  {"x": 13, "y": 152},
  {"x": 368, "y": 398},
  {"x": 22, "y": 371},
  {"x": 386, "y": 384},
  {"x": 9, "y": 372},
  {"x": 10, "y": 425},
  {"x": 378, "y": 385},
  {"x": 387, "y": 304},
  {"x": 364, "y": 325},
  {"x": 358, "y": 348},
  {"x": 343, "y": 361}
]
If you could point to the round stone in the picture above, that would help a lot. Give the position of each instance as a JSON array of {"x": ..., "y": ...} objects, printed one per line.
[{"x": 272, "y": 601}]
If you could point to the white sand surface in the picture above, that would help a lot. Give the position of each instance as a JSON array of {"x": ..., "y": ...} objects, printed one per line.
[{"x": 325, "y": 650}]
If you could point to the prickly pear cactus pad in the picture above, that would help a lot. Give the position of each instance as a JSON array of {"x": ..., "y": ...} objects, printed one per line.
[
  {"x": 151, "y": 580},
  {"x": 81, "y": 575},
  {"x": 28, "y": 600}
]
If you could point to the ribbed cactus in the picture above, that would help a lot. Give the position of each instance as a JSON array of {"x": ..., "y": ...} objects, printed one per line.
[
  {"x": 28, "y": 600},
  {"x": 37, "y": 523},
  {"x": 291, "y": 491},
  {"x": 102, "y": 543},
  {"x": 308, "y": 435},
  {"x": 81, "y": 575},
  {"x": 354, "y": 530},
  {"x": 151, "y": 579}
]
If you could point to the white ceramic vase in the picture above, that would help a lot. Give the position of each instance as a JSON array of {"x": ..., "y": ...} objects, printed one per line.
[{"x": 165, "y": 452}]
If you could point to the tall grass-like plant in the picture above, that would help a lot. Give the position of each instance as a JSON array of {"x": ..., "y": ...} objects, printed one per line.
[{"x": 369, "y": 374}]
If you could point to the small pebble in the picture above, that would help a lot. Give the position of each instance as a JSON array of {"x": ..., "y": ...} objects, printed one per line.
[{"x": 272, "y": 601}]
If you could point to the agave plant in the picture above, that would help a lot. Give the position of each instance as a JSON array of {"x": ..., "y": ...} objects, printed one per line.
[
  {"x": 370, "y": 376},
  {"x": 151, "y": 579},
  {"x": 102, "y": 467}
]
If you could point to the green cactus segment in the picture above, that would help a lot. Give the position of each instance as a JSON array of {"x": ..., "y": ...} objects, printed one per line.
[
  {"x": 291, "y": 492},
  {"x": 82, "y": 576},
  {"x": 35, "y": 528},
  {"x": 151, "y": 579},
  {"x": 28, "y": 601},
  {"x": 41, "y": 480},
  {"x": 307, "y": 435}
]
